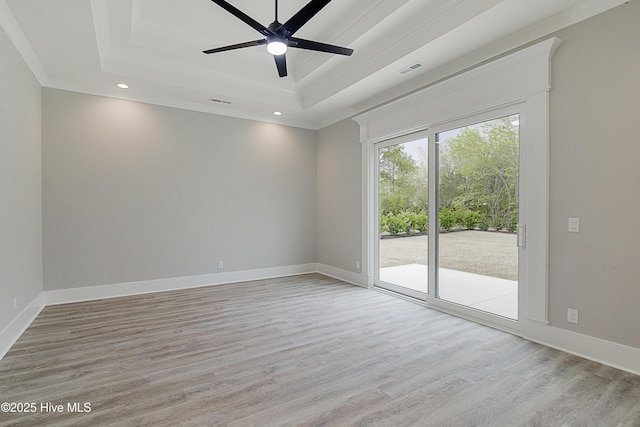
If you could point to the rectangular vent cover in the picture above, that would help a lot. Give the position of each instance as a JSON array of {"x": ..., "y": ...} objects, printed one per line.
[
  {"x": 411, "y": 68},
  {"x": 219, "y": 101}
]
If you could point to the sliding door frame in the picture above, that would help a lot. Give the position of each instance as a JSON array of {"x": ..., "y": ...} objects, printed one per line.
[
  {"x": 376, "y": 219},
  {"x": 522, "y": 77}
]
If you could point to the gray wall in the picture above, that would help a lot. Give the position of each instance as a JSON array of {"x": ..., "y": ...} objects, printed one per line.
[
  {"x": 339, "y": 196},
  {"x": 20, "y": 184},
  {"x": 594, "y": 155},
  {"x": 138, "y": 192}
]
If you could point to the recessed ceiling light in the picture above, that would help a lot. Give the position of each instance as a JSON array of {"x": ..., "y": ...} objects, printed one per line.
[
  {"x": 277, "y": 113},
  {"x": 122, "y": 86}
]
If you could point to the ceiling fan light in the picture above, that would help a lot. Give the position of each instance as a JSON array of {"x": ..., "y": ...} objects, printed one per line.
[{"x": 276, "y": 47}]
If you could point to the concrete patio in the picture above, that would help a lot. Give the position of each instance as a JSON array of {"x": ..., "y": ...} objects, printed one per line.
[{"x": 491, "y": 294}]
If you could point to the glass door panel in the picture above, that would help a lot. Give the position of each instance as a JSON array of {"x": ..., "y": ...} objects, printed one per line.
[
  {"x": 402, "y": 193},
  {"x": 478, "y": 200}
]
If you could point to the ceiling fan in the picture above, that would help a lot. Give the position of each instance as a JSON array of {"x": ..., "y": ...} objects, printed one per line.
[{"x": 279, "y": 36}]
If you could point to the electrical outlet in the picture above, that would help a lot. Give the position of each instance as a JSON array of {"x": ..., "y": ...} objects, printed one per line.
[
  {"x": 15, "y": 303},
  {"x": 572, "y": 315},
  {"x": 220, "y": 264}
]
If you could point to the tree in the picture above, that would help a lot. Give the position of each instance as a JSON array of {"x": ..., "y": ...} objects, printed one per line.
[
  {"x": 483, "y": 162},
  {"x": 398, "y": 185},
  {"x": 450, "y": 178},
  {"x": 421, "y": 201}
]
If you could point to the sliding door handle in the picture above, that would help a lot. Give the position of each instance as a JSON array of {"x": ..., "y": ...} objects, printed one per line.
[{"x": 522, "y": 236}]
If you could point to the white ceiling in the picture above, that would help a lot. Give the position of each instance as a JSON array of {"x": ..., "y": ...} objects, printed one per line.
[{"x": 156, "y": 47}]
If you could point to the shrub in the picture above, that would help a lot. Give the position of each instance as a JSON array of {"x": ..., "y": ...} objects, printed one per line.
[
  {"x": 413, "y": 221},
  {"x": 470, "y": 219},
  {"x": 447, "y": 219},
  {"x": 384, "y": 223},
  {"x": 483, "y": 223},
  {"x": 397, "y": 223},
  {"x": 407, "y": 221},
  {"x": 420, "y": 221}
]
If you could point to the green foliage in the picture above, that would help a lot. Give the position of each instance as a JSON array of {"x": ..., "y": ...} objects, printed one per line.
[
  {"x": 497, "y": 223},
  {"x": 404, "y": 221},
  {"x": 483, "y": 224},
  {"x": 407, "y": 221},
  {"x": 486, "y": 168},
  {"x": 397, "y": 223},
  {"x": 384, "y": 224},
  {"x": 470, "y": 219},
  {"x": 450, "y": 180},
  {"x": 419, "y": 221},
  {"x": 398, "y": 186},
  {"x": 448, "y": 218},
  {"x": 477, "y": 178}
]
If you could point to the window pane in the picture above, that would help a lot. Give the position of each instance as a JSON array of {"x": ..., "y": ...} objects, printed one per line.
[
  {"x": 403, "y": 198},
  {"x": 478, "y": 216}
]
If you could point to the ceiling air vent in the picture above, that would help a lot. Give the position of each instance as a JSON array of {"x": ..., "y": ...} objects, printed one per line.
[
  {"x": 219, "y": 101},
  {"x": 411, "y": 68}
]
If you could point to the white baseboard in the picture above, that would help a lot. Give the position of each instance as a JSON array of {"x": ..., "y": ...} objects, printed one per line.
[
  {"x": 64, "y": 296},
  {"x": 344, "y": 275},
  {"x": 602, "y": 351},
  {"x": 13, "y": 330}
]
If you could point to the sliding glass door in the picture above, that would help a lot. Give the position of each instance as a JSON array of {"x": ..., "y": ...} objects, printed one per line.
[{"x": 448, "y": 215}]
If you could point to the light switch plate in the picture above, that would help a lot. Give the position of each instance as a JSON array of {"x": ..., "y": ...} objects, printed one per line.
[{"x": 574, "y": 225}]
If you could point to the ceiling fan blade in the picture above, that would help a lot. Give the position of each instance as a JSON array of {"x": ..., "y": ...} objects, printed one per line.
[
  {"x": 243, "y": 17},
  {"x": 320, "y": 47},
  {"x": 304, "y": 15},
  {"x": 236, "y": 46},
  {"x": 281, "y": 63}
]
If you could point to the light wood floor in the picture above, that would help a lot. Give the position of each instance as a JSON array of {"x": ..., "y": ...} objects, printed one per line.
[{"x": 305, "y": 350}]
